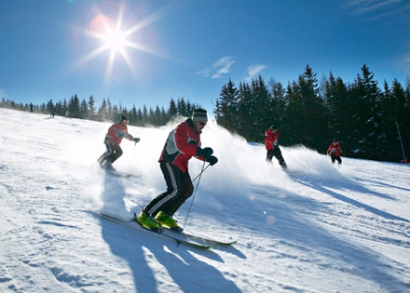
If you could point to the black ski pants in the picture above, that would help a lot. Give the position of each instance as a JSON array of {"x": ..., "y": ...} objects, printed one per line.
[
  {"x": 276, "y": 152},
  {"x": 335, "y": 158},
  {"x": 179, "y": 189},
  {"x": 112, "y": 153}
]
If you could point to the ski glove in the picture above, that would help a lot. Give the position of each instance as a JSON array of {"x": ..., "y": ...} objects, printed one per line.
[
  {"x": 137, "y": 139},
  {"x": 212, "y": 160},
  {"x": 206, "y": 152}
]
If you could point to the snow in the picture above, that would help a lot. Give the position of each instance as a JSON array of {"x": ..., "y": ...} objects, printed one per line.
[{"x": 316, "y": 228}]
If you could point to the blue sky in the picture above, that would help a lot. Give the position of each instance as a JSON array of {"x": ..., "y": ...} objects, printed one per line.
[{"x": 53, "y": 49}]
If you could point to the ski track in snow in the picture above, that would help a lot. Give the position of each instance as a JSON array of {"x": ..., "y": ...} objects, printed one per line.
[{"x": 316, "y": 228}]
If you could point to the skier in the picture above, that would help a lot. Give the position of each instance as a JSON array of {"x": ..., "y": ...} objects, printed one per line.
[
  {"x": 182, "y": 144},
  {"x": 272, "y": 146},
  {"x": 334, "y": 151},
  {"x": 112, "y": 141},
  {"x": 53, "y": 112}
]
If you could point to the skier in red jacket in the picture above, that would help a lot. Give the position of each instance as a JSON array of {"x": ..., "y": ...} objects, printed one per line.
[
  {"x": 183, "y": 143},
  {"x": 334, "y": 151},
  {"x": 272, "y": 145},
  {"x": 112, "y": 141}
]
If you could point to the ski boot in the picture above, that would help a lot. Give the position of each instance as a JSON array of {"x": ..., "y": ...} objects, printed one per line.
[
  {"x": 165, "y": 220},
  {"x": 147, "y": 222},
  {"x": 108, "y": 166},
  {"x": 101, "y": 163}
]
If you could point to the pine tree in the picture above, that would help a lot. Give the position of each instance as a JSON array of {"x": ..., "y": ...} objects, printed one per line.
[
  {"x": 277, "y": 109},
  {"x": 74, "y": 110},
  {"x": 313, "y": 119},
  {"x": 294, "y": 125},
  {"x": 401, "y": 111},
  {"x": 172, "y": 110},
  {"x": 246, "y": 112},
  {"x": 50, "y": 106},
  {"x": 260, "y": 117},
  {"x": 140, "y": 117},
  {"x": 145, "y": 117},
  {"x": 182, "y": 108},
  {"x": 91, "y": 108},
  {"x": 227, "y": 107},
  {"x": 102, "y": 111},
  {"x": 84, "y": 110},
  {"x": 338, "y": 110},
  {"x": 367, "y": 118}
]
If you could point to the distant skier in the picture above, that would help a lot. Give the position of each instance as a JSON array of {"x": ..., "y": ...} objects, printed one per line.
[
  {"x": 53, "y": 112},
  {"x": 183, "y": 143},
  {"x": 334, "y": 151},
  {"x": 112, "y": 141},
  {"x": 272, "y": 146}
]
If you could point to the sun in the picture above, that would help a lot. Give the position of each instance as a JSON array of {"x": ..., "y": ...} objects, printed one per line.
[
  {"x": 110, "y": 34},
  {"x": 117, "y": 40}
]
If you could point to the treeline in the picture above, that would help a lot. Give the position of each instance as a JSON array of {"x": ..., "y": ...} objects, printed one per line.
[
  {"x": 74, "y": 108},
  {"x": 370, "y": 122}
]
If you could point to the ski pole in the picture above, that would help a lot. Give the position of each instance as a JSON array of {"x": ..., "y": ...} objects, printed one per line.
[
  {"x": 193, "y": 196},
  {"x": 202, "y": 171}
]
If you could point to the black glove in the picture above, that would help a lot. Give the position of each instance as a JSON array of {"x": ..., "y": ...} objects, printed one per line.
[
  {"x": 136, "y": 139},
  {"x": 212, "y": 160},
  {"x": 206, "y": 152}
]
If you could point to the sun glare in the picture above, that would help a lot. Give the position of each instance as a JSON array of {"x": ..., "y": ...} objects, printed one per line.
[{"x": 115, "y": 39}]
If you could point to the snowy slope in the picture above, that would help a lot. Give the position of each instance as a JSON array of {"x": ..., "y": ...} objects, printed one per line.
[{"x": 318, "y": 228}]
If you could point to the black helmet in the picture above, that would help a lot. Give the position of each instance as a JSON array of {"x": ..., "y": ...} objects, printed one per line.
[
  {"x": 123, "y": 117},
  {"x": 272, "y": 127}
]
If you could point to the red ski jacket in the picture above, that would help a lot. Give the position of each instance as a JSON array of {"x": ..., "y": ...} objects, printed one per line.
[
  {"x": 181, "y": 145},
  {"x": 117, "y": 132},
  {"x": 271, "y": 139},
  {"x": 335, "y": 148}
]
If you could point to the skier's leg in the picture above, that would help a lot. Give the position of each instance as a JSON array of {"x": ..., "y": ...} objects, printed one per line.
[
  {"x": 116, "y": 154},
  {"x": 269, "y": 155},
  {"x": 106, "y": 154},
  {"x": 173, "y": 182},
  {"x": 279, "y": 157},
  {"x": 186, "y": 190}
]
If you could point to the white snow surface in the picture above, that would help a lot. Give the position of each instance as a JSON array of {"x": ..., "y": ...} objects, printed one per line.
[{"x": 316, "y": 228}]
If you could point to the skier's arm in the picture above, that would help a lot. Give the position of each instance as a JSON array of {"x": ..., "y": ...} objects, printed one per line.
[
  {"x": 124, "y": 133},
  {"x": 328, "y": 149}
]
